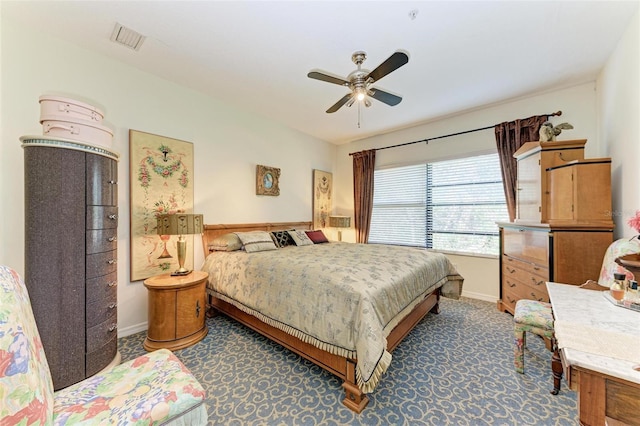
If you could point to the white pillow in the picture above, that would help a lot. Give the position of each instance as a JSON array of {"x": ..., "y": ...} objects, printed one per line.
[
  {"x": 226, "y": 242},
  {"x": 256, "y": 241},
  {"x": 300, "y": 237}
]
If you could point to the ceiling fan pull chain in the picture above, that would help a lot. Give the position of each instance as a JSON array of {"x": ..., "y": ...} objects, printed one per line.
[{"x": 358, "y": 115}]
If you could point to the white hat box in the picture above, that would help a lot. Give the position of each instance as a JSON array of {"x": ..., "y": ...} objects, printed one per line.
[
  {"x": 58, "y": 107},
  {"x": 74, "y": 130}
]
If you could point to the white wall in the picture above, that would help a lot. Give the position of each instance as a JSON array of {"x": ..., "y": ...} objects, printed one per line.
[
  {"x": 578, "y": 106},
  {"x": 619, "y": 125},
  {"x": 228, "y": 143}
]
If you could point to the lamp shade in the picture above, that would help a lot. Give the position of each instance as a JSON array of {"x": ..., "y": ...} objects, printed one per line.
[
  {"x": 340, "y": 221},
  {"x": 179, "y": 224}
]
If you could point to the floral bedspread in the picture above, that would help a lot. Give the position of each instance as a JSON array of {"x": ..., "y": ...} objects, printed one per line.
[{"x": 341, "y": 297}]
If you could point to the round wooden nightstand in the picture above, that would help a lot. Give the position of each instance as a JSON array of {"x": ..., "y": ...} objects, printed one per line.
[{"x": 177, "y": 307}]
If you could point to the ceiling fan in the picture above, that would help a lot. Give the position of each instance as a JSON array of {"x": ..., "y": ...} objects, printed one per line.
[{"x": 360, "y": 81}]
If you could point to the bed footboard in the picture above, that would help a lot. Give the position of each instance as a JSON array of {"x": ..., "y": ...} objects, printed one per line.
[{"x": 344, "y": 368}]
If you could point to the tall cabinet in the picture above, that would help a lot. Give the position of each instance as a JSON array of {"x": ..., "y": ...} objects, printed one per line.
[
  {"x": 563, "y": 222},
  {"x": 71, "y": 219}
]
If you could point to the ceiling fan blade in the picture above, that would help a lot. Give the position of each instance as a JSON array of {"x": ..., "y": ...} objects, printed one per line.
[
  {"x": 385, "y": 97},
  {"x": 339, "y": 104},
  {"x": 392, "y": 63},
  {"x": 328, "y": 78}
]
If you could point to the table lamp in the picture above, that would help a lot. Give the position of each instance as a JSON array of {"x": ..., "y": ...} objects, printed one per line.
[
  {"x": 180, "y": 224},
  {"x": 340, "y": 222}
]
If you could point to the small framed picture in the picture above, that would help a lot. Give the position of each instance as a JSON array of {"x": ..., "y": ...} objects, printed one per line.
[{"x": 267, "y": 180}]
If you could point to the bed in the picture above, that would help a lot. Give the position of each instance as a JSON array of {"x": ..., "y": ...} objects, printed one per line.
[{"x": 370, "y": 297}]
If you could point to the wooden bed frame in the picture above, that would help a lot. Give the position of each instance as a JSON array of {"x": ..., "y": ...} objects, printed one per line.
[{"x": 340, "y": 366}]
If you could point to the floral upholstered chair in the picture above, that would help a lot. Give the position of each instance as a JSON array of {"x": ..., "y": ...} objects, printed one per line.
[
  {"x": 155, "y": 388},
  {"x": 618, "y": 248}
]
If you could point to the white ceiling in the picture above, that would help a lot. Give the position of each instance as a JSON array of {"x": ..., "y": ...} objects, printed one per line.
[{"x": 256, "y": 55}]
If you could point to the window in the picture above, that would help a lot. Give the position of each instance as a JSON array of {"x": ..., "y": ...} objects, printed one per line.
[{"x": 447, "y": 205}]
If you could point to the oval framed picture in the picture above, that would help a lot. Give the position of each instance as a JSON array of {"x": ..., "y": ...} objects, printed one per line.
[{"x": 267, "y": 180}]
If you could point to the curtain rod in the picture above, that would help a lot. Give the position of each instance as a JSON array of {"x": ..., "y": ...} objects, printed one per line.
[{"x": 557, "y": 113}]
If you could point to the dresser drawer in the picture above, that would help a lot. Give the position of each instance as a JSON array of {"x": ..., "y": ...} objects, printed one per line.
[
  {"x": 101, "y": 357},
  {"x": 526, "y": 244},
  {"x": 524, "y": 277},
  {"x": 531, "y": 268},
  {"x": 102, "y": 181},
  {"x": 523, "y": 291},
  {"x": 99, "y": 217},
  {"x": 101, "y": 310},
  {"x": 102, "y": 287},
  {"x": 103, "y": 332},
  {"x": 101, "y": 263},
  {"x": 101, "y": 240}
]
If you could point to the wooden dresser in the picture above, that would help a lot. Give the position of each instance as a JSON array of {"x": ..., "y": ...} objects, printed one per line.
[
  {"x": 563, "y": 221},
  {"x": 533, "y": 254},
  {"x": 71, "y": 219}
]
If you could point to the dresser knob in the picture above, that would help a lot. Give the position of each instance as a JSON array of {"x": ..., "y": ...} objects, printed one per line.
[
  {"x": 197, "y": 308},
  {"x": 112, "y": 239},
  {"x": 112, "y": 261},
  {"x": 113, "y": 327},
  {"x": 112, "y": 283},
  {"x": 111, "y": 182},
  {"x": 113, "y": 216}
]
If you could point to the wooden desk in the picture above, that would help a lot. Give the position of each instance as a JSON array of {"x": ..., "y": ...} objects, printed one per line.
[{"x": 599, "y": 346}]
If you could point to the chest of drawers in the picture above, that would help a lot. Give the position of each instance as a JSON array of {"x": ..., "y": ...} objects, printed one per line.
[
  {"x": 71, "y": 218},
  {"x": 534, "y": 254}
]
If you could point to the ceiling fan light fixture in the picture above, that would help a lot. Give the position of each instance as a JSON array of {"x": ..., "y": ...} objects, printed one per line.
[{"x": 359, "y": 82}]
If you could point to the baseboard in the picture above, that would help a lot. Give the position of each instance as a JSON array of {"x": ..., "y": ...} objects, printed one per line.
[
  {"x": 128, "y": 331},
  {"x": 479, "y": 296}
]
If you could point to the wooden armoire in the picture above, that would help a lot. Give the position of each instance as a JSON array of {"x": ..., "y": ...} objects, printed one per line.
[
  {"x": 563, "y": 222},
  {"x": 71, "y": 219}
]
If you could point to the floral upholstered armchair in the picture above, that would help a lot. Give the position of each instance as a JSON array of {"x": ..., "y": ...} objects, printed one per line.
[
  {"x": 155, "y": 388},
  {"x": 618, "y": 248}
]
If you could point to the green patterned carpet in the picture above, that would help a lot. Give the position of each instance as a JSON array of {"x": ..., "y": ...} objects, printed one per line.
[{"x": 454, "y": 368}]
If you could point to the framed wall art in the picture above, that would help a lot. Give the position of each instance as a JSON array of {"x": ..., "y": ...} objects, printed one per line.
[
  {"x": 267, "y": 180},
  {"x": 161, "y": 182},
  {"x": 322, "y": 188}
]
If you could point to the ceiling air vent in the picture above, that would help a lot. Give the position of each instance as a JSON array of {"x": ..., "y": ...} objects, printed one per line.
[{"x": 127, "y": 37}]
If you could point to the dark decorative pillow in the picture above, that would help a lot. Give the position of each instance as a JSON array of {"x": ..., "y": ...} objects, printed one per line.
[
  {"x": 317, "y": 236},
  {"x": 282, "y": 238}
]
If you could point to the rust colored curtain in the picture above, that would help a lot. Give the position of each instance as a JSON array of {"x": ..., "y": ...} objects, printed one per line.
[
  {"x": 363, "y": 167},
  {"x": 509, "y": 137}
]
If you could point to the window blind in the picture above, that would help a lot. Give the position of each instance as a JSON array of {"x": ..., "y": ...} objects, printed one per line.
[{"x": 447, "y": 205}]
